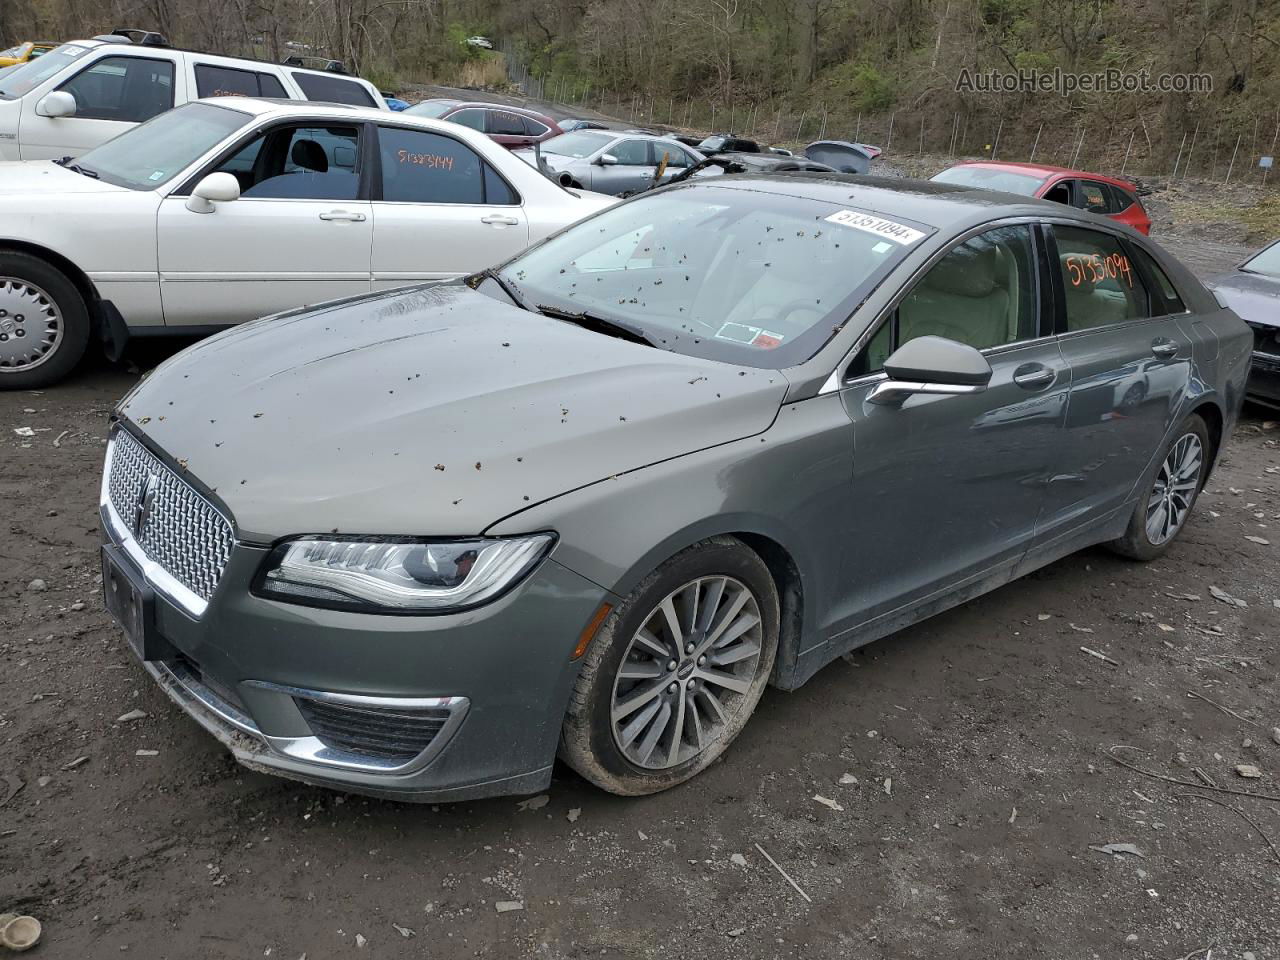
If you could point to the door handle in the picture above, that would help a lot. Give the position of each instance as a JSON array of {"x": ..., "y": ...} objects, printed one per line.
[
  {"x": 343, "y": 215},
  {"x": 1033, "y": 376},
  {"x": 500, "y": 218},
  {"x": 1164, "y": 348}
]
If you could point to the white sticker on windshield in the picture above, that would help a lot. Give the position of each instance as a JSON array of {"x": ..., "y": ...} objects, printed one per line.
[
  {"x": 882, "y": 247},
  {"x": 897, "y": 232}
]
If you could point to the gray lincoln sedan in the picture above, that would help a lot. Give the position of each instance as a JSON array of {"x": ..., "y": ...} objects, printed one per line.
[{"x": 593, "y": 501}]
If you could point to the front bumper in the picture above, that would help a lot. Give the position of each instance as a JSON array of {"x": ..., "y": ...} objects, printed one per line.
[
  {"x": 337, "y": 699},
  {"x": 1264, "y": 378}
]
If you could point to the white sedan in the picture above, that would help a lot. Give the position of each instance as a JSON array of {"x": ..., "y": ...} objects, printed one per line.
[{"x": 232, "y": 208}]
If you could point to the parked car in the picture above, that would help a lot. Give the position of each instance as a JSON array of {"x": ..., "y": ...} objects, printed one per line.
[
  {"x": 1095, "y": 192},
  {"x": 483, "y": 43},
  {"x": 395, "y": 103},
  {"x": 1253, "y": 291},
  {"x": 776, "y": 163},
  {"x": 510, "y": 126},
  {"x": 570, "y": 124},
  {"x": 25, "y": 51},
  {"x": 593, "y": 500},
  {"x": 607, "y": 161},
  {"x": 84, "y": 93},
  {"x": 225, "y": 209},
  {"x": 727, "y": 143}
]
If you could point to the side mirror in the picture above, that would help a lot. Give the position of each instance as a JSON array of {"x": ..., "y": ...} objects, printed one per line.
[
  {"x": 933, "y": 365},
  {"x": 59, "y": 103},
  {"x": 216, "y": 187},
  {"x": 606, "y": 160}
]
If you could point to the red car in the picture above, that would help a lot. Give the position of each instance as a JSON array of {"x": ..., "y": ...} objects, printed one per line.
[
  {"x": 510, "y": 126},
  {"x": 1109, "y": 196}
]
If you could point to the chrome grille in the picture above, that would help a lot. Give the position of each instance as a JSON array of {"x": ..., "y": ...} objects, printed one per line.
[{"x": 184, "y": 534}]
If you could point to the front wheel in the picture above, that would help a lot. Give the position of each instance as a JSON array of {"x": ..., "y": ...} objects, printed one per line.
[
  {"x": 1161, "y": 514},
  {"x": 675, "y": 672},
  {"x": 44, "y": 325}
]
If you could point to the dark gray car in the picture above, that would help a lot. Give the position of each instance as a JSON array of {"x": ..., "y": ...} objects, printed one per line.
[
  {"x": 1253, "y": 291},
  {"x": 414, "y": 544}
]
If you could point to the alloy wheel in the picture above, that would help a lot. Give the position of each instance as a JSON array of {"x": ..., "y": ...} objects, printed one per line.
[
  {"x": 31, "y": 327},
  {"x": 1175, "y": 489},
  {"x": 686, "y": 672}
]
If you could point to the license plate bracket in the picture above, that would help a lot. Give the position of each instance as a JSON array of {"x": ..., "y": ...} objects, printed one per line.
[{"x": 131, "y": 602}]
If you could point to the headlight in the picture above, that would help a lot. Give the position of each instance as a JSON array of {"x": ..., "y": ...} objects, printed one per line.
[{"x": 394, "y": 576}]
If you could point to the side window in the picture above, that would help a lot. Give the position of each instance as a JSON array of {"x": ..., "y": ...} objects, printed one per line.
[
  {"x": 332, "y": 89},
  {"x": 214, "y": 81},
  {"x": 421, "y": 167},
  {"x": 533, "y": 128},
  {"x": 498, "y": 191},
  {"x": 298, "y": 163},
  {"x": 270, "y": 86},
  {"x": 132, "y": 89},
  {"x": 631, "y": 153},
  {"x": 469, "y": 118},
  {"x": 506, "y": 124},
  {"x": 1102, "y": 286},
  {"x": 677, "y": 159},
  {"x": 1164, "y": 286},
  {"x": 983, "y": 293},
  {"x": 1092, "y": 196},
  {"x": 1121, "y": 200},
  {"x": 1060, "y": 192}
]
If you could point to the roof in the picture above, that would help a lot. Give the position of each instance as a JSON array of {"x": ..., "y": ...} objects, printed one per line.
[
  {"x": 509, "y": 108},
  {"x": 943, "y": 205},
  {"x": 1043, "y": 170},
  {"x": 262, "y": 106},
  {"x": 94, "y": 42}
]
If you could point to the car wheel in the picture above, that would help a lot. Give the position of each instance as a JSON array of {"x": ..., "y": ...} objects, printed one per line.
[
  {"x": 1162, "y": 513},
  {"x": 675, "y": 672},
  {"x": 44, "y": 325}
]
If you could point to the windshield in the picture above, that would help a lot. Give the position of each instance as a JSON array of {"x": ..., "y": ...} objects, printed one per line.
[
  {"x": 26, "y": 77},
  {"x": 1266, "y": 260},
  {"x": 741, "y": 276},
  {"x": 712, "y": 143},
  {"x": 432, "y": 108},
  {"x": 579, "y": 144},
  {"x": 1025, "y": 184},
  {"x": 155, "y": 152}
]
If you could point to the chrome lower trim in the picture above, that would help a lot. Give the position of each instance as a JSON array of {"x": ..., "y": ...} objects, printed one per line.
[
  {"x": 157, "y": 576},
  {"x": 199, "y": 700}
]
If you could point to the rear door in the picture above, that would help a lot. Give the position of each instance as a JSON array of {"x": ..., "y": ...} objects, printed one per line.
[
  {"x": 440, "y": 211},
  {"x": 114, "y": 93},
  {"x": 1130, "y": 361},
  {"x": 300, "y": 233},
  {"x": 973, "y": 468}
]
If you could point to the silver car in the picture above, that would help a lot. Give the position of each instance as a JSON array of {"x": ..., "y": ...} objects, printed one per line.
[
  {"x": 609, "y": 161},
  {"x": 591, "y": 502}
]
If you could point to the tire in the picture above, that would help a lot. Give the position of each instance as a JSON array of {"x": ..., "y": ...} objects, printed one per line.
[
  {"x": 1140, "y": 541},
  {"x": 50, "y": 338},
  {"x": 593, "y": 745}
]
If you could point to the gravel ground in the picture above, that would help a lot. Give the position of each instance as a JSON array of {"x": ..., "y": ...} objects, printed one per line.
[{"x": 966, "y": 757}]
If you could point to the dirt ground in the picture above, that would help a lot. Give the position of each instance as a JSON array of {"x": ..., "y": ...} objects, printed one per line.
[{"x": 978, "y": 741}]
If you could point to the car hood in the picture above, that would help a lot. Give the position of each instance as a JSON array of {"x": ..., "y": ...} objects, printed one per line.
[
  {"x": 430, "y": 411},
  {"x": 25, "y": 177},
  {"x": 1255, "y": 297}
]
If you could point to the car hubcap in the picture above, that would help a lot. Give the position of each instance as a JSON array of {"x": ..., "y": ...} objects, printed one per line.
[
  {"x": 30, "y": 325},
  {"x": 1175, "y": 488},
  {"x": 687, "y": 672}
]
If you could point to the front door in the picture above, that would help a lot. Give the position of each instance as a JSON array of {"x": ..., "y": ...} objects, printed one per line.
[
  {"x": 633, "y": 171},
  {"x": 301, "y": 232},
  {"x": 965, "y": 474},
  {"x": 113, "y": 94},
  {"x": 1130, "y": 365},
  {"x": 443, "y": 212}
]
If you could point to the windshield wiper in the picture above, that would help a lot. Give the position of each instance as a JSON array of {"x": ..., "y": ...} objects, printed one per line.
[
  {"x": 84, "y": 171},
  {"x": 506, "y": 287},
  {"x": 589, "y": 321}
]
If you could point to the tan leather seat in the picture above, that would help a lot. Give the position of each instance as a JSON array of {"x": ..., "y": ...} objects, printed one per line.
[{"x": 960, "y": 298}]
